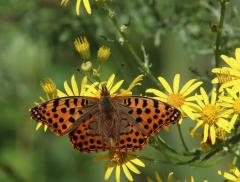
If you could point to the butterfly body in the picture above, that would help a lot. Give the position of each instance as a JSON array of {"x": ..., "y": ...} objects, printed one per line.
[{"x": 120, "y": 123}]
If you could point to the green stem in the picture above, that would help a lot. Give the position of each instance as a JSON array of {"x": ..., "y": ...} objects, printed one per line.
[
  {"x": 219, "y": 32},
  {"x": 181, "y": 137}
]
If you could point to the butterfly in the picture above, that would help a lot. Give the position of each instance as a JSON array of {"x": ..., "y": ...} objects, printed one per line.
[{"x": 107, "y": 123}]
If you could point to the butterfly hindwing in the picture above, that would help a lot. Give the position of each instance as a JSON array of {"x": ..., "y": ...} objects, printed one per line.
[
  {"x": 60, "y": 114},
  {"x": 149, "y": 114},
  {"x": 85, "y": 137}
]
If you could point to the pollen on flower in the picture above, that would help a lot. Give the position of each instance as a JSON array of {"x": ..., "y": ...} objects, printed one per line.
[
  {"x": 224, "y": 76},
  {"x": 210, "y": 114},
  {"x": 103, "y": 53},
  {"x": 176, "y": 99},
  {"x": 118, "y": 157},
  {"x": 82, "y": 47}
]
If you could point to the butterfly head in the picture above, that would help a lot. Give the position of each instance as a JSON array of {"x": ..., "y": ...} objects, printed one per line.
[{"x": 104, "y": 91}]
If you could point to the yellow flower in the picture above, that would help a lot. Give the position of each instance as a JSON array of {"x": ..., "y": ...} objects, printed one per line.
[
  {"x": 228, "y": 76},
  {"x": 211, "y": 116},
  {"x": 235, "y": 176},
  {"x": 74, "y": 89},
  {"x": 50, "y": 89},
  {"x": 114, "y": 89},
  {"x": 122, "y": 161},
  {"x": 78, "y": 6},
  {"x": 176, "y": 97},
  {"x": 103, "y": 53},
  {"x": 82, "y": 47},
  {"x": 169, "y": 178},
  {"x": 231, "y": 102}
]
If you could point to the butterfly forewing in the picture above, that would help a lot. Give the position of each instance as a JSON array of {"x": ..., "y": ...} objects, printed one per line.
[
  {"x": 149, "y": 114},
  {"x": 62, "y": 113}
]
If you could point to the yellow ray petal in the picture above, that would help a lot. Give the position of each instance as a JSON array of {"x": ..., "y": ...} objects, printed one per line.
[
  {"x": 61, "y": 94},
  {"x": 192, "y": 88},
  {"x": 78, "y": 4},
  {"x": 138, "y": 162},
  {"x": 199, "y": 123},
  {"x": 205, "y": 135},
  {"x": 212, "y": 134},
  {"x": 74, "y": 86},
  {"x": 188, "y": 110},
  {"x": 116, "y": 87},
  {"x": 213, "y": 96},
  {"x": 187, "y": 85},
  {"x": 127, "y": 173},
  {"x": 165, "y": 84},
  {"x": 170, "y": 175},
  {"x": 204, "y": 96},
  {"x": 87, "y": 6},
  {"x": 110, "y": 81},
  {"x": 156, "y": 92},
  {"x": 118, "y": 173},
  {"x": 39, "y": 124},
  {"x": 158, "y": 178},
  {"x": 234, "y": 169},
  {"x": 68, "y": 89},
  {"x": 237, "y": 55},
  {"x": 108, "y": 173},
  {"x": 227, "y": 175},
  {"x": 176, "y": 83},
  {"x": 132, "y": 167}
]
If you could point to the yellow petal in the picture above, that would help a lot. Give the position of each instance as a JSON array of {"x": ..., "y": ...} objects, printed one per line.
[
  {"x": 87, "y": 6},
  {"x": 169, "y": 179},
  {"x": 158, "y": 178},
  {"x": 231, "y": 62},
  {"x": 135, "y": 82},
  {"x": 224, "y": 124},
  {"x": 213, "y": 96},
  {"x": 237, "y": 55},
  {"x": 116, "y": 87},
  {"x": 165, "y": 84},
  {"x": 156, "y": 92},
  {"x": 118, "y": 173},
  {"x": 234, "y": 169},
  {"x": 61, "y": 94},
  {"x": 204, "y": 96},
  {"x": 74, "y": 86},
  {"x": 191, "y": 179},
  {"x": 215, "y": 80},
  {"x": 78, "y": 4},
  {"x": 187, "y": 85},
  {"x": 108, "y": 173},
  {"x": 67, "y": 89},
  {"x": 227, "y": 175},
  {"x": 138, "y": 162},
  {"x": 110, "y": 81},
  {"x": 188, "y": 111},
  {"x": 212, "y": 134},
  {"x": 127, "y": 173},
  {"x": 192, "y": 88},
  {"x": 132, "y": 167},
  {"x": 176, "y": 81},
  {"x": 205, "y": 135},
  {"x": 45, "y": 128},
  {"x": 39, "y": 124},
  {"x": 199, "y": 123}
]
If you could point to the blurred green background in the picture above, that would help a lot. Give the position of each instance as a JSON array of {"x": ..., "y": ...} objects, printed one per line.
[{"x": 36, "y": 42}]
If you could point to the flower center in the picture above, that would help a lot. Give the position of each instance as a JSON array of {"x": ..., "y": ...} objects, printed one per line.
[
  {"x": 176, "y": 99},
  {"x": 118, "y": 157},
  {"x": 210, "y": 114},
  {"x": 236, "y": 105}
]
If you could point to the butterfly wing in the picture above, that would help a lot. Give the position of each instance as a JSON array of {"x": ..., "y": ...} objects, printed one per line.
[
  {"x": 87, "y": 136},
  {"x": 62, "y": 113},
  {"x": 149, "y": 115}
]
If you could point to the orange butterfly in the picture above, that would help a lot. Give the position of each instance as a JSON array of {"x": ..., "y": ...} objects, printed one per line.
[{"x": 119, "y": 123}]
